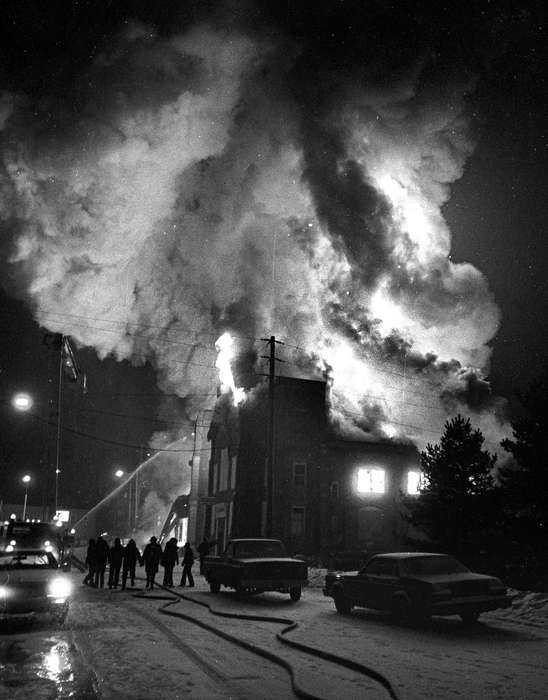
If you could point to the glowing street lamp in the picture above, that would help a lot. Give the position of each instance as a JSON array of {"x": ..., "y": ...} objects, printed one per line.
[
  {"x": 22, "y": 402},
  {"x": 119, "y": 473},
  {"x": 26, "y": 481}
]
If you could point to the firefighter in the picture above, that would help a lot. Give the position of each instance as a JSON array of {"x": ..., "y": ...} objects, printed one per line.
[
  {"x": 115, "y": 557},
  {"x": 132, "y": 555},
  {"x": 188, "y": 561},
  {"x": 170, "y": 557},
  {"x": 151, "y": 557}
]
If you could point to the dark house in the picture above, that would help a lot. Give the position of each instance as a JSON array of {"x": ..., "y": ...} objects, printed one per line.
[{"x": 327, "y": 494}]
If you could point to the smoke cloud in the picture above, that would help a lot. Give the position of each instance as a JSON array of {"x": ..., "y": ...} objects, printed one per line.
[{"x": 236, "y": 176}]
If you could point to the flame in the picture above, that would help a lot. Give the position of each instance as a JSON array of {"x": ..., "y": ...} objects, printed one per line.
[{"x": 225, "y": 347}]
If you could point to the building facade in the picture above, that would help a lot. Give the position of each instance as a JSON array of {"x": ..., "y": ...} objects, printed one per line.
[{"x": 324, "y": 494}]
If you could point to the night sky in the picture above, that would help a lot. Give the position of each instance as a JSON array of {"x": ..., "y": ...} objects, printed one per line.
[{"x": 104, "y": 105}]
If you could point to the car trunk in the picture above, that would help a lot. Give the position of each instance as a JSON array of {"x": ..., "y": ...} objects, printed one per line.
[{"x": 464, "y": 584}]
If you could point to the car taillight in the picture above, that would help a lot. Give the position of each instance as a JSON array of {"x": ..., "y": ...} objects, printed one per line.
[
  {"x": 496, "y": 586},
  {"x": 440, "y": 589}
]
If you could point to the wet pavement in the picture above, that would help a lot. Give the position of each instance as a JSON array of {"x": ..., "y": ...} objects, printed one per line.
[{"x": 40, "y": 660}]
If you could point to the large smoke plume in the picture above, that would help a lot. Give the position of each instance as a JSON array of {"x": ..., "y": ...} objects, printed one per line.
[{"x": 234, "y": 175}]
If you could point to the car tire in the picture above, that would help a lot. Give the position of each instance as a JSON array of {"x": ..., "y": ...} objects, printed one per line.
[
  {"x": 342, "y": 604},
  {"x": 295, "y": 593},
  {"x": 214, "y": 586},
  {"x": 470, "y": 617}
]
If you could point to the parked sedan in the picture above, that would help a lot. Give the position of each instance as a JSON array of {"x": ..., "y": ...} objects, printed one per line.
[
  {"x": 417, "y": 584},
  {"x": 31, "y": 582}
]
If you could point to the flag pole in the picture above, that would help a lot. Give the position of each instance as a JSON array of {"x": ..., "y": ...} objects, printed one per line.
[{"x": 58, "y": 443}]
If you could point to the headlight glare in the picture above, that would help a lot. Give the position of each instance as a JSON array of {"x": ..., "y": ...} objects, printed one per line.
[{"x": 59, "y": 588}]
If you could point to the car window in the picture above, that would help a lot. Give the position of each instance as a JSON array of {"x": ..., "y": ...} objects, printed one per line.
[
  {"x": 27, "y": 560},
  {"x": 381, "y": 567},
  {"x": 259, "y": 549},
  {"x": 432, "y": 566}
]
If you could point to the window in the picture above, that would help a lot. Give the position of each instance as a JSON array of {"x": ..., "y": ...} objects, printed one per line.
[
  {"x": 27, "y": 560},
  {"x": 223, "y": 470},
  {"x": 233, "y": 464},
  {"x": 371, "y": 481},
  {"x": 299, "y": 474},
  {"x": 259, "y": 549},
  {"x": 381, "y": 566},
  {"x": 334, "y": 489},
  {"x": 413, "y": 483},
  {"x": 297, "y": 521}
]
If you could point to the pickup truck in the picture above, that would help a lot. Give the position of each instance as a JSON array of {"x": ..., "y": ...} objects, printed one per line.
[{"x": 255, "y": 566}]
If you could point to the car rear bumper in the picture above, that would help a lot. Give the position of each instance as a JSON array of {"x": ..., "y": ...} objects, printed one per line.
[
  {"x": 273, "y": 584},
  {"x": 456, "y": 606}
]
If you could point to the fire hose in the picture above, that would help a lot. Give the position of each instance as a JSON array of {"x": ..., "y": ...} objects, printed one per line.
[{"x": 175, "y": 597}]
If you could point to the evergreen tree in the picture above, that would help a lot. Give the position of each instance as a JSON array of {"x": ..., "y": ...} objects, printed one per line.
[
  {"x": 525, "y": 483},
  {"x": 456, "y": 502}
]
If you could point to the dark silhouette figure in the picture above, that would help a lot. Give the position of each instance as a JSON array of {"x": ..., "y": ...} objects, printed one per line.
[
  {"x": 203, "y": 551},
  {"x": 115, "y": 557},
  {"x": 102, "y": 550},
  {"x": 91, "y": 563},
  {"x": 188, "y": 561},
  {"x": 131, "y": 556},
  {"x": 170, "y": 557},
  {"x": 151, "y": 557}
]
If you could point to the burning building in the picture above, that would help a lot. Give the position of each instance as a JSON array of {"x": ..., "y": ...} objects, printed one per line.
[
  {"x": 237, "y": 172},
  {"x": 323, "y": 494}
]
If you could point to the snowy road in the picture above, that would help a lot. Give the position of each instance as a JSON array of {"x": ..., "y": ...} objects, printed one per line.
[{"x": 115, "y": 645}]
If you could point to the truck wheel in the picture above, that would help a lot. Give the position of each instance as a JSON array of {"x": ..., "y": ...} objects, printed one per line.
[
  {"x": 214, "y": 586},
  {"x": 295, "y": 593},
  {"x": 342, "y": 604}
]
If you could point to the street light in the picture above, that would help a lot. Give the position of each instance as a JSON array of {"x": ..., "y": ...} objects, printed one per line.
[
  {"x": 22, "y": 402},
  {"x": 119, "y": 473},
  {"x": 26, "y": 481}
]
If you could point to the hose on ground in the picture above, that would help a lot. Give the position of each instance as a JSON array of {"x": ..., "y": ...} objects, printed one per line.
[{"x": 175, "y": 597}]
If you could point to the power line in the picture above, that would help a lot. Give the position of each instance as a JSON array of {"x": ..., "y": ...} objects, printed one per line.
[
  {"x": 96, "y": 438},
  {"x": 160, "y": 395},
  {"x": 209, "y": 345},
  {"x": 140, "y": 324},
  {"x": 395, "y": 422},
  {"x": 147, "y": 419}
]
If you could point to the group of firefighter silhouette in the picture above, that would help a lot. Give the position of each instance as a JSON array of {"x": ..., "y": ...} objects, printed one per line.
[{"x": 123, "y": 560}]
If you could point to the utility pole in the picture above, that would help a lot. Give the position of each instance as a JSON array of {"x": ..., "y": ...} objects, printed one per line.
[
  {"x": 270, "y": 435},
  {"x": 58, "y": 440}
]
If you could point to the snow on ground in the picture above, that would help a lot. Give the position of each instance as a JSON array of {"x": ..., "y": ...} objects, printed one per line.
[{"x": 133, "y": 652}]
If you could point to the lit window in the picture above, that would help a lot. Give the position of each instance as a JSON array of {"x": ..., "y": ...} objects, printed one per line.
[
  {"x": 299, "y": 473},
  {"x": 413, "y": 483},
  {"x": 297, "y": 521},
  {"x": 371, "y": 481}
]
